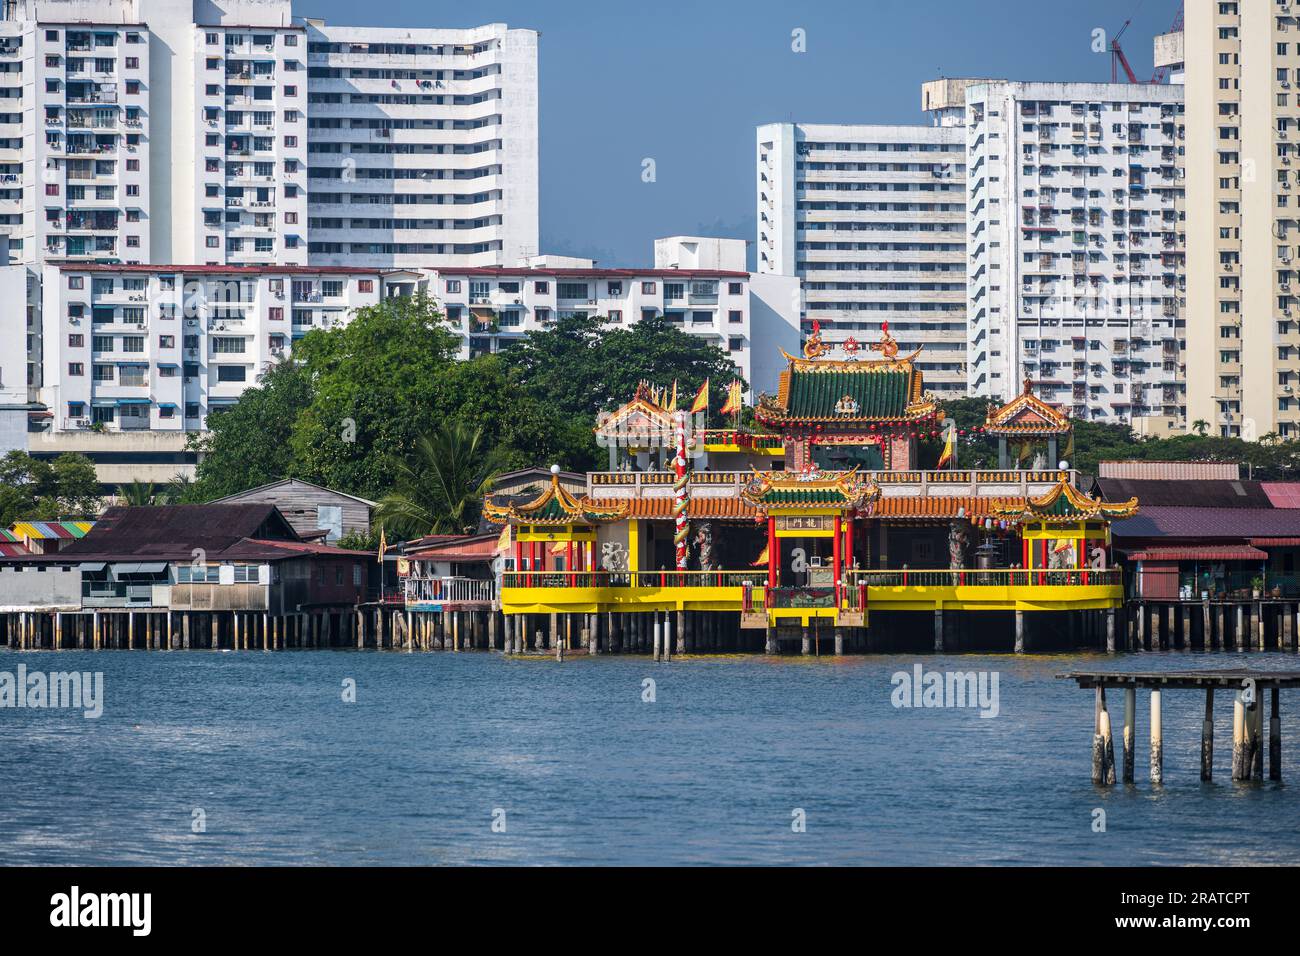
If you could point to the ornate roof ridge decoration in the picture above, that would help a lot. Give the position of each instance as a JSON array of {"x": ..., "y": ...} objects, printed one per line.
[
  {"x": 1041, "y": 418},
  {"x": 650, "y": 405},
  {"x": 1065, "y": 503},
  {"x": 812, "y": 489},
  {"x": 554, "y": 507}
]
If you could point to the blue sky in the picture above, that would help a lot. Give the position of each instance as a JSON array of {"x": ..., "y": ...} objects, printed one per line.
[{"x": 686, "y": 83}]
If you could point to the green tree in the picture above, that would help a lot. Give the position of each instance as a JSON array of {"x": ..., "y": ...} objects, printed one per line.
[
  {"x": 580, "y": 366},
  {"x": 248, "y": 444},
  {"x": 375, "y": 386},
  {"x": 138, "y": 494},
  {"x": 440, "y": 489},
  {"x": 33, "y": 489},
  {"x": 1200, "y": 426}
]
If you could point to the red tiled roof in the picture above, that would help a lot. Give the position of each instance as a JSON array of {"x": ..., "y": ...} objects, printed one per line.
[
  {"x": 1199, "y": 552},
  {"x": 66, "y": 266},
  {"x": 1283, "y": 494},
  {"x": 697, "y": 508},
  {"x": 460, "y": 548},
  {"x": 595, "y": 273}
]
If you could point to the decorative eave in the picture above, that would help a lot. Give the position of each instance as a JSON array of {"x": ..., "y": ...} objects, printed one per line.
[
  {"x": 786, "y": 489},
  {"x": 1065, "y": 504},
  {"x": 1026, "y": 415},
  {"x": 555, "y": 507}
]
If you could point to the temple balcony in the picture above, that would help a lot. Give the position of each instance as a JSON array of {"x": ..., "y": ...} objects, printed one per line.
[
  {"x": 986, "y": 483},
  {"x": 861, "y": 591}
]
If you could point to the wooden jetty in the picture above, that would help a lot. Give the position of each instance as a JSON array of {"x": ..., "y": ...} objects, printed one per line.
[{"x": 1248, "y": 686}]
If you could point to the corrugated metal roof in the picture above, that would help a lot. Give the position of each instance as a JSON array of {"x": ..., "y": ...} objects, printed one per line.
[
  {"x": 1283, "y": 494},
  {"x": 1199, "y": 552},
  {"x": 1203, "y": 524},
  {"x": 1186, "y": 493},
  {"x": 1170, "y": 470},
  {"x": 10, "y": 549}
]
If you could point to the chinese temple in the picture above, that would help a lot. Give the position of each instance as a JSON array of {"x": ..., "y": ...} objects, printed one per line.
[{"x": 817, "y": 529}]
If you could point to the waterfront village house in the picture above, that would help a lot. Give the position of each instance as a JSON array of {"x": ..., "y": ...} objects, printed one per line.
[
  {"x": 822, "y": 520},
  {"x": 238, "y": 575},
  {"x": 314, "y": 512},
  {"x": 1204, "y": 533}
]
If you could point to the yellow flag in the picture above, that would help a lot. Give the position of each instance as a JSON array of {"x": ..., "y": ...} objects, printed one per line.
[
  {"x": 949, "y": 453},
  {"x": 503, "y": 542},
  {"x": 672, "y": 403},
  {"x": 383, "y": 544},
  {"x": 733, "y": 399},
  {"x": 701, "y": 403}
]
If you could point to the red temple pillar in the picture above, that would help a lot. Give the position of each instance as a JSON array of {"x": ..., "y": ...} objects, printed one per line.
[
  {"x": 848, "y": 542},
  {"x": 568, "y": 557},
  {"x": 773, "y": 554},
  {"x": 837, "y": 557}
]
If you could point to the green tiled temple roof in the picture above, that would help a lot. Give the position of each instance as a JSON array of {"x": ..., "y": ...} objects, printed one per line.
[
  {"x": 878, "y": 394},
  {"x": 853, "y": 391}
]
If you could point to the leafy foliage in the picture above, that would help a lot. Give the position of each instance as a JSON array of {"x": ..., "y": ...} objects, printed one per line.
[
  {"x": 32, "y": 489},
  {"x": 440, "y": 489}
]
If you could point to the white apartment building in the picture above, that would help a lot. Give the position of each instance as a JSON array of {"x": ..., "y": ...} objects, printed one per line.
[
  {"x": 872, "y": 219},
  {"x": 1241, "y": 65},
  {"x": 75, "y": 158},
  {"x": 1076, "y": 240},
  {"x": 160, "y": 348},
  {"x": 422, "y": 146}
]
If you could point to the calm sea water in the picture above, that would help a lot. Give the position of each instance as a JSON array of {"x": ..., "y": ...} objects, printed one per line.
[{"x": 286, "y": 772}]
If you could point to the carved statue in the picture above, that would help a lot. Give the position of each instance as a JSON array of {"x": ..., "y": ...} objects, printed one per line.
[
  {"x": 704, "y": 542},
  {"x": 613, "y": 556},
  {"x": 958, "y": 536}
]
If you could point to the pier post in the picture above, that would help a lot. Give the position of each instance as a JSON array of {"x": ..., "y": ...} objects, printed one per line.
[
  {"x": 938, "y": 629},
  {"x": 1216, "y": 639},
  {"x": 668, "y": 636},
  {"x": 1259, "y": 626},
  {"x": 806, "y": 647},
  {"x": 1110, "y": 631},
  {"x": 769, "y": 640},
  {"x": 1107, "y": 739},
  {"x": 1020, "y": 632},
  {"x": 1157, "y": 740},
  {"x": 1256, "y": 712},
  {"x": 1240, "y": 742},
  {"x": 1167, "y": 638},
  {"x": 1239, "y": 629},
  {"x": 58, "y": 630},
  {"x": 657, "y": 635},
  {"x": 1098, "y": 742},
  {"x": 1207, "y": 737},
  {"x": 1130, "y": 721},
  {"x": 1205, "y": 624},
  {"x": 1275, "y": 734},
  {"x": 681, "y": 633},
  {"x": 1142, "y": 626},
  {"x": 1288, "y": 625},
  {"x": 839, "y": 642}
]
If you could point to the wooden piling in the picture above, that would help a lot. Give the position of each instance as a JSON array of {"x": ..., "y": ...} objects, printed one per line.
[
  {"x": 1157, "y": 740},
  {"x": 1098, "y": 742},
  {"x": 1240, "y": 740},
  {"x": 1274, "y": 736},
  {"x": 1207, "y": 737},
  {"x": 1130, "y": 738},
  {"x": 1020, "y": 632}
]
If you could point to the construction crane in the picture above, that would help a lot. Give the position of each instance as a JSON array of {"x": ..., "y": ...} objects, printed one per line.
[{"x": 1119, "y": 61}]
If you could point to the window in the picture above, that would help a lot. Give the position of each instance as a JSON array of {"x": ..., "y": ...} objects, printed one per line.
[
  {"x": 290, "y": 142},
  {"x": 571, "y": 290},
  {"x": 541, "y": 288},
  {"x": 76, "y": 340},
  {"x": 275, "y": 313},
  {"x": 76, "y": 368},
  {"x": 735, "y": 288},
  {"x": 365, "y": 285},
  {"x": 615, "y": 289},
  {"x": 453, "y": 286},
  {"x": 76, "y": 282},
  {"x": 231, "y": 373},
  {"x": 166, "y": 341},
  {"x": 225, "y": 345},
  {"x": 735, "y": 344},
  {"x": 647, "y": 288},
  {"x": 735, "y": 316}
]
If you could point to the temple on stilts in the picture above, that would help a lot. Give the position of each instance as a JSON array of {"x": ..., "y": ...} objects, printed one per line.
[{"x": 814, "y": 532}]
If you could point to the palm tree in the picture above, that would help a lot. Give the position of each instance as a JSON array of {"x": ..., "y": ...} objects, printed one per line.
[
  {"x": 180, "y": 490},
  {"x": 1200, "y": 426},
  {"x": 137, "y": 494},
  {"x": 441, "y": 487}
]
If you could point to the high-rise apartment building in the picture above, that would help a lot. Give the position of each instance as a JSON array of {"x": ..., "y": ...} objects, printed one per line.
[
  {"x": 873, "y": 220},
  {"x": 1242, "y": 76},
  {"x": 1076, "y": 244},
  {"x": 175, "y": 131},
  {"x": 422, "y": 146}
]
